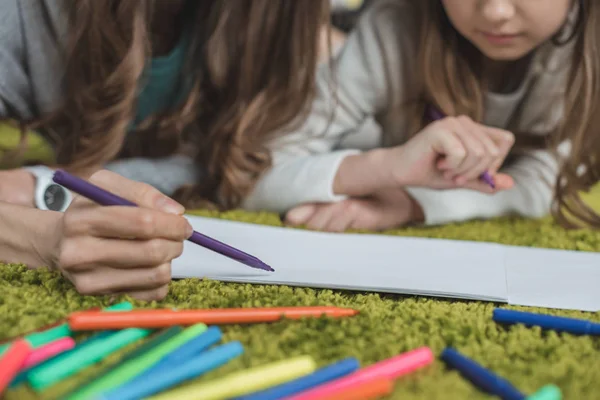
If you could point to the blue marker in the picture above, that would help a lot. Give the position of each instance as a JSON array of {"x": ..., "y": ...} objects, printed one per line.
[
  {"x": 319, "y": 377},
  {"x": 166, "y": 378},
  {"x": 185, "y": 352},
  {"x": 480, "y": 376},
  {"x": 561, "y": 324}
]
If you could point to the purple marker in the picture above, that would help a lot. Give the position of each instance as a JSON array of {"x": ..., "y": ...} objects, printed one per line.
[
  {"x": 105, "y": 198},
  {"x": 435, "y": 114}
]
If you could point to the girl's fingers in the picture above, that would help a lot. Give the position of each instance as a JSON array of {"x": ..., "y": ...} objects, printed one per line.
[
  {"x": 321, "y": 218},
  {"x": 447, "y": 144},
  {"x": 491, "y": 153},
  {"x": 501, "y": 181},
  {"x": 89, "y": 253},
  {"x": 105, "y": 280},
  {"x": 504, "y": 181},
  {"x": 126, "y": 222},
  {"x": 343, "y": 218},
  {"x": 467, "y": 132},
  {"x": 505, "y": 141},
  {"x": 301, "y": 214}
]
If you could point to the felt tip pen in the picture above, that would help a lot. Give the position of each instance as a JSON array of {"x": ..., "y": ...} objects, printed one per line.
[
  {"x": 481, "y": 377},
  {"x": 105, "y": 198},
  {"x": 561, "y": 324}
]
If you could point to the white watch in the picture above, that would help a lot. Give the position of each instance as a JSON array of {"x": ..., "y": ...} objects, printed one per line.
[{"x": 49, "y": 195}]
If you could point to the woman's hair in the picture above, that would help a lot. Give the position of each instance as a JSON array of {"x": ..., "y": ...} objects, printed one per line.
[
  {"x": 452, "y": 81},
  {"x": 250, "y": 73}
]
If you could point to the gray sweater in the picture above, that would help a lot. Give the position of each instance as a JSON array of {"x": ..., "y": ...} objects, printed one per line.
[{"x": 32, "y": 33}]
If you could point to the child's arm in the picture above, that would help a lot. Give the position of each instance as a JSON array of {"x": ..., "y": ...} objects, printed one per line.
[
  {"x": 534, "y": 174},
  {"x": 357, "y": 85}
]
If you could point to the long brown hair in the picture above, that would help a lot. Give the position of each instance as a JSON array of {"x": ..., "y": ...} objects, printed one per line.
[
  {"x": 452, "y": 81},
  {"x": 250, "y": 70}
]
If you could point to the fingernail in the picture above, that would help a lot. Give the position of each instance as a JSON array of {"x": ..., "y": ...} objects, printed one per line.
[
  {"x": 170, "y": 206},
  {"x": 300, "y": 214},
  {"x": 189, "y": 230}
]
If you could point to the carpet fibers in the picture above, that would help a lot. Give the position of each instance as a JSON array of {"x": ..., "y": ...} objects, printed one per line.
[{"x": 386, "y": 325}]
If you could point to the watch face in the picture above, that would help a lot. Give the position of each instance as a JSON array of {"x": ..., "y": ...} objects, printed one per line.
[{"x": 55, "y": 197}]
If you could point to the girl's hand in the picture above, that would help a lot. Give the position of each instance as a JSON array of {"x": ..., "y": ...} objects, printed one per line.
[
  {"x": 114, "y": 250},
  {"x": 453, "y": 153},
  {"x": 387, "y": 209}
]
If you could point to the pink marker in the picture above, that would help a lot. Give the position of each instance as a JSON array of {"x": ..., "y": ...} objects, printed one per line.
[
  {"x": 391, "y": 368},
  {"x": 47, "y": 351}
]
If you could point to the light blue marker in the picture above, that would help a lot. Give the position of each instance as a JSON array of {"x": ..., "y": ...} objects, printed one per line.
[
  {"x": 164, "y": 379},
  {"x": 190, "y": 349},
  {"x": 319, "y": 377},
  {"x": 183, "y": 353}
]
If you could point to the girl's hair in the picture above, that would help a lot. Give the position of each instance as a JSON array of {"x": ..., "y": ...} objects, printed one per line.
[
  {"x": 250, "y": 73},
  {"x": 452, "y": 82}
]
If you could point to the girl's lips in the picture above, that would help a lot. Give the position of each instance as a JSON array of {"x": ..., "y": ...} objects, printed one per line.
[{"x": 499, "y": 38}]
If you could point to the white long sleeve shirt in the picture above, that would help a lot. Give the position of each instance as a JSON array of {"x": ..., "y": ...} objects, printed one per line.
[{"x": 370, "y": 77}]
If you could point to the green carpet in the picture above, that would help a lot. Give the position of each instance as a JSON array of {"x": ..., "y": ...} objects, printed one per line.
[{"x": 387, "y": 325}]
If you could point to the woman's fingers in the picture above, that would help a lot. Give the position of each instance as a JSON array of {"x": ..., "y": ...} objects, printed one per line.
[
  {"x": 141, "y": 194},
  {"x": 89, "y": 253},
  {"x": 126, "y": 222},
  {"x": 105, "y": 280}
]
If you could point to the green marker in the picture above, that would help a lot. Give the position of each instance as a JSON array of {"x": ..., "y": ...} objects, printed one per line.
[
  {"x": 52, "y": 372},
  {"x": 548, "y": 392},
  {"x": 38, "y": 339},
  {"x": 149, "y": 345},
  {"x": 129, "y": 370}
]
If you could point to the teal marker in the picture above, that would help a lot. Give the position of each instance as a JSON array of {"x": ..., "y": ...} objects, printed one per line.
[
  {"x": 53, "y": 372},
  {"x": 38, "y": 339},
  {"x": 548, "y": 392}
]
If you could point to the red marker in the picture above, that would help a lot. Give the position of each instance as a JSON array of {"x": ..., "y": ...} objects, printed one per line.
[{"x": 12, "y": 361}]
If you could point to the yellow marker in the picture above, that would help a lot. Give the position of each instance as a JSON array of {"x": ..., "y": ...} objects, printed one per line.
[{"x": 244, "y": 382}]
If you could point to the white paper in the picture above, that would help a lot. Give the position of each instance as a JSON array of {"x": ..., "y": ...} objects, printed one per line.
[
  {"x": 379, "y": 263},
  {"x": 553, "y": 278}
]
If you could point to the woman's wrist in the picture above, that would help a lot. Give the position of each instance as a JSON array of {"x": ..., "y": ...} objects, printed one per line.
[{"x": 28, "y": 235}]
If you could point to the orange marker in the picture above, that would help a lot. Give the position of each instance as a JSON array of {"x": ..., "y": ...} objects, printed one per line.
[
  {"x": 12, "y": 361},
  {"x": 370, "y": 390},
  {"x": 83, "y": 320}
]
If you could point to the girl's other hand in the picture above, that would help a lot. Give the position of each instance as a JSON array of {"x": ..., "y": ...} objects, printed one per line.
[
  {"x": 453, "y": 153},
  {"x": 121, "y": 250},
  {"x": 387, "y": 209}
]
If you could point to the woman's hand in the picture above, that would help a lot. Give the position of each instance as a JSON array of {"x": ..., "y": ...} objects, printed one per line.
[
  {"x": 17, "y": 186},
  {"x": 387, "y": 209},
  {"x": 114, "y": 250},
  {"x": 453, "y": 153}
]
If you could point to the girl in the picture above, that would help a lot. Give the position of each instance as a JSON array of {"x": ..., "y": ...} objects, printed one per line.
[
  {"x": 178, "y": 94},
  {"x": 493, "y": 66}
]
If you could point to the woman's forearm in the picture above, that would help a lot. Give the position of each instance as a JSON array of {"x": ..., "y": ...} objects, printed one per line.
[{"x": 27, "y": 235}]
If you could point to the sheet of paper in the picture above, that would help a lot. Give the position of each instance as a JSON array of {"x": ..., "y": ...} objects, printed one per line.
[
  {"x": 553, "y": 278},
  {"x": 415, "y": 266},
  {"x": 380, "y": 263}
]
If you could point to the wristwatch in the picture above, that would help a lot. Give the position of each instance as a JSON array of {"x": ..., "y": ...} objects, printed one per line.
[{"x": 49, "y": 195}]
